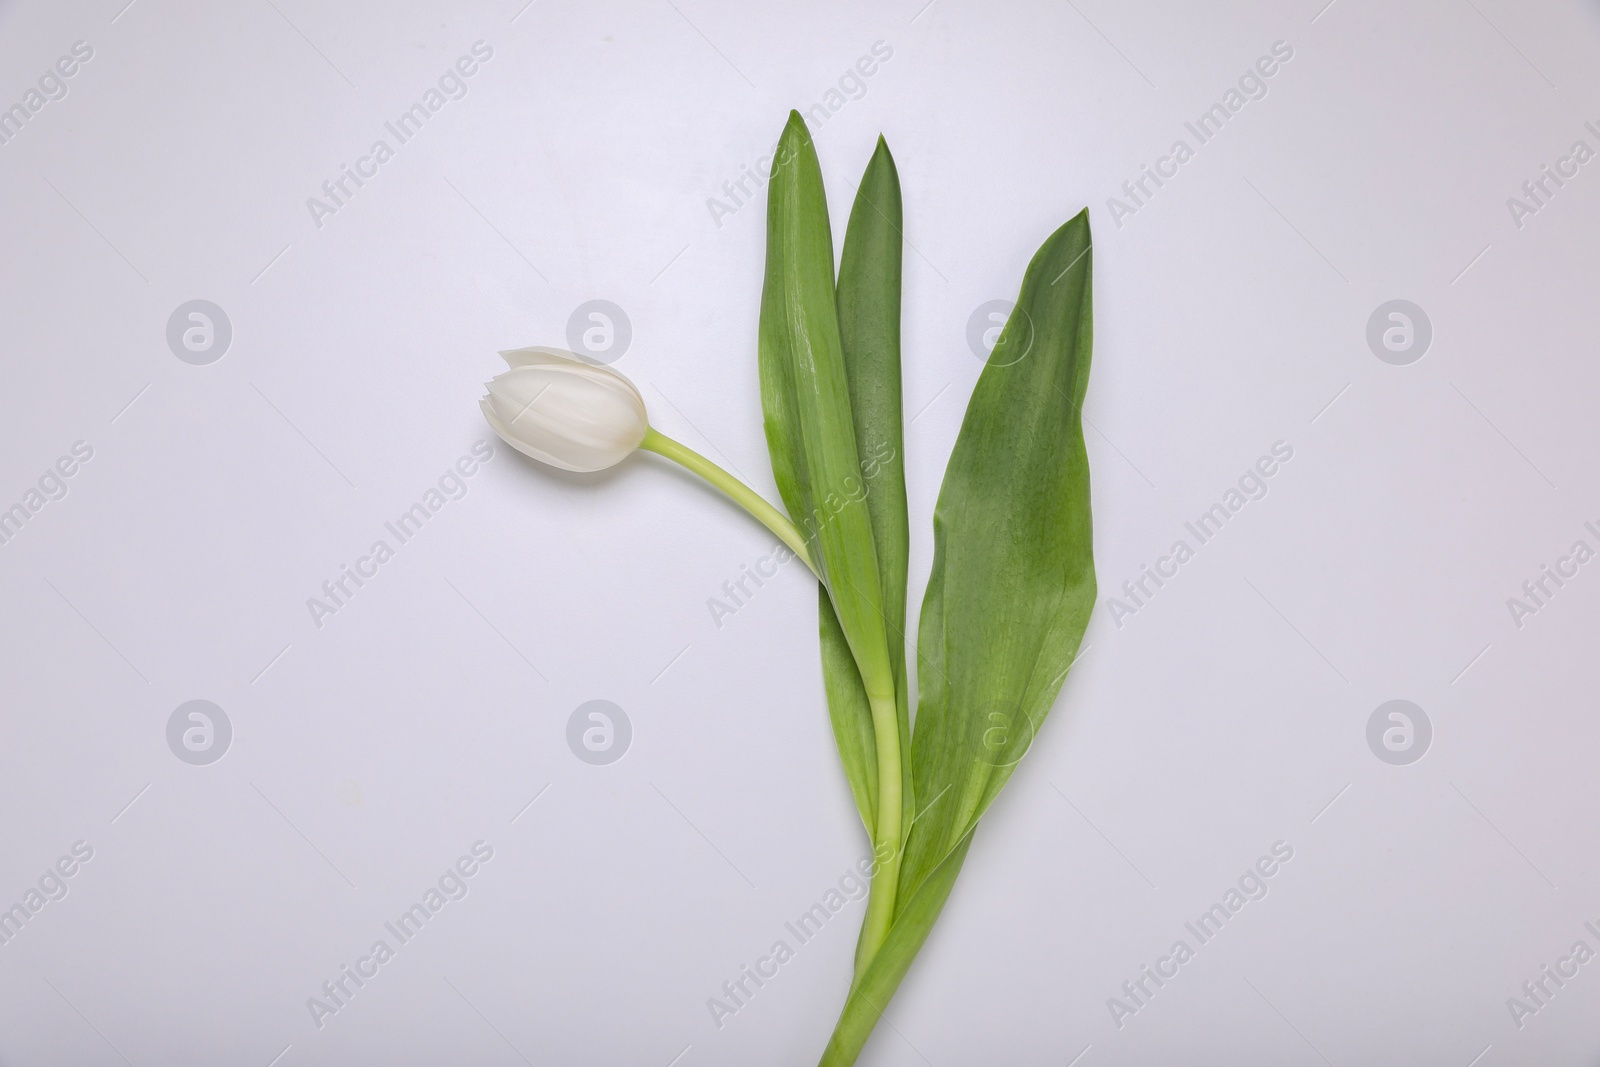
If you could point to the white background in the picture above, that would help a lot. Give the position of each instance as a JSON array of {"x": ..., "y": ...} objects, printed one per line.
[{"x": 368, "y": 754}]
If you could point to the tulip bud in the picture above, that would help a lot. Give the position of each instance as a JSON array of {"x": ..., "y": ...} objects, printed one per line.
[{"x": 562, "y": 410}]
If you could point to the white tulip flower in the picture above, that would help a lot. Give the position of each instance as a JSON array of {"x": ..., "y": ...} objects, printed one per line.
[
  {"x": 570, "y": 412},
  {"x": 565, "y": 411}
]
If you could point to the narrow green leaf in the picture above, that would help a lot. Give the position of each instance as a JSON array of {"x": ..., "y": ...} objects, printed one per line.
[
  {"x": 868, "y": 301},
  {"x": 869, "y": 329},
  {"x": 811, "y": 433},
  {"x": 851, "y": 714},
  {"x": 806, "y": 398},
  {"x": 1013, "y": 583}
]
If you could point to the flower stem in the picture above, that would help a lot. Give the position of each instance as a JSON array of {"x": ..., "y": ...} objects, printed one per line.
[
  {"x": 887, "y": 847},
  {"x": 742, "y": 494}
]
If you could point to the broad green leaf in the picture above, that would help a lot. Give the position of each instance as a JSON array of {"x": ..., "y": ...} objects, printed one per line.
[
  {"x": 868, "y": 301},
  {"x": 1012, "y": 584},
  {"x": 872, "y": 990},
  {"x": 1007, "y": 603}
]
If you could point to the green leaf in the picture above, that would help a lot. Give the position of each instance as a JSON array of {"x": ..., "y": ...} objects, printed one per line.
[
  {"x": 874, "y": 987},
  {"x": 811, "y": 434},
  {"x": 806, "y": 399},
  {"x": 868, "y": 301},
  {"x": 1007, "y": 603},
  {"x": 1012, "y": 585},
  {"x": 851, "y": 714}
]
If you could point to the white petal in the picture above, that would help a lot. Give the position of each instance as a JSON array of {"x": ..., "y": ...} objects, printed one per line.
[
  {"x": 539, "y": 355},
  {"x": 509, "y": 438}
]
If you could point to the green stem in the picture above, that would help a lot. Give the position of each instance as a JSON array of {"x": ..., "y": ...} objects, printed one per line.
[
  {"x": 742, "y": 494},
  {"x": 887, "y": 846}
]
